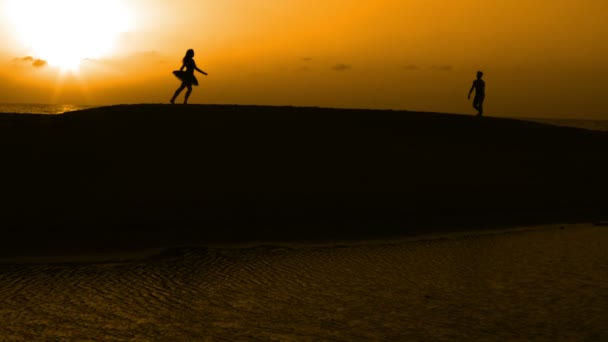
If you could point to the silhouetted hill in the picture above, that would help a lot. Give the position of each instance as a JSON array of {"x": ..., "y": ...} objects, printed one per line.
[{"x": 122, "y": 175}]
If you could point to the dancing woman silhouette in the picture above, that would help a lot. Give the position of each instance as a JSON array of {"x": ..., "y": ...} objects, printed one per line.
[{"x": 187, "y": 77}]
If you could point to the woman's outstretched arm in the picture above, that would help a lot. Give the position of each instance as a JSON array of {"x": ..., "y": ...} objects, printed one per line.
[{"x": 199, "y": 70}]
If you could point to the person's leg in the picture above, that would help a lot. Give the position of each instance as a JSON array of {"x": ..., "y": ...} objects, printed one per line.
[
  {"x": 188, "y": 92},
  {"x": 477, "y": 104},
  {"x": 480, "y": 104},
  {"x": 177, "y": 92}
]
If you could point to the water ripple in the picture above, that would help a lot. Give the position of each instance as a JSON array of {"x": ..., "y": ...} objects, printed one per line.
[{"x": 541, "y": 285}]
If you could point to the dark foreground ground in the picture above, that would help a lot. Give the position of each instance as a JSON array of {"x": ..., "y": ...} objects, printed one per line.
[
  {"x": 126, "y": 177},
  {"x": 543, "y": 284}
]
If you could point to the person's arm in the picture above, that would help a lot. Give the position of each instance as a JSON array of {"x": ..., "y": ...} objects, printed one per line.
[
  {"x": 182, "y": 68},
  {"x": 470, "y": 91},
  {"x": 199, "y": 70}
]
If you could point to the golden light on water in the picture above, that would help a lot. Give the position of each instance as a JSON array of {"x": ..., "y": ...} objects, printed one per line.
[{"x": 65, "y": 32}]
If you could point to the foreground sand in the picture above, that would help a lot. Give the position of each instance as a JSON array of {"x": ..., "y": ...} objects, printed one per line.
[
  {"x": 546, "y": 284},
  {"x": 146, "y": 176}
]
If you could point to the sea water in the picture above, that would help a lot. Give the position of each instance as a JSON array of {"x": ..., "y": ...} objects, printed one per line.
[
  {"x": 540, "y": 284},
  {"x": 596, "y": 125},
  {"x": 30, "y": 108}
]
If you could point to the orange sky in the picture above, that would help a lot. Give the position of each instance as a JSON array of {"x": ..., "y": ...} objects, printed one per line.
[{"x": 541, "y": 58}]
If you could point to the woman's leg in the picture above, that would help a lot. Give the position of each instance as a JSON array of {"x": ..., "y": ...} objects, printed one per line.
[
  {"x": 179, "y": 90},
  {"x": 188, "y": 93}
]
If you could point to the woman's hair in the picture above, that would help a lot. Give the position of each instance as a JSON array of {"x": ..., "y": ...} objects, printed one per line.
[{"x": 189, "y": 55}]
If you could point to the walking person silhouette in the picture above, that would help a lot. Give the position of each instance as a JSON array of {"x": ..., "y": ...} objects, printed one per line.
[
  {"x": 479, "y": 86},
  {"x": 187, "y": 77}
]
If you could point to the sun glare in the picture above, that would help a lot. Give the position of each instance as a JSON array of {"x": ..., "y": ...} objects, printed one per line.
[{"x": 65, "y": 32}]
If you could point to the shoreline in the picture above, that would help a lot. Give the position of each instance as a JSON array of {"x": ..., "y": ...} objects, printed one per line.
[{"x": 160, "y": 252}]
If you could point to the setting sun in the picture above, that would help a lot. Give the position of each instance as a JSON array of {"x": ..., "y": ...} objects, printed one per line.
[{"x": 64, "y": 32}]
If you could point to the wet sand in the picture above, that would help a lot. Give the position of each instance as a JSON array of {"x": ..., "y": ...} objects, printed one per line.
[{"x": 542, "y": 284}]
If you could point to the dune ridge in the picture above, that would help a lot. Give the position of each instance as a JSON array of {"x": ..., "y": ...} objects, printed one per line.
[{"x": 140, "y": 176}]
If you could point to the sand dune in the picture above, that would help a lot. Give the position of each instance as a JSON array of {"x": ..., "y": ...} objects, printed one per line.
[
  {"x": 117, "y": 183},
  {"x": 141, "y": 176}
]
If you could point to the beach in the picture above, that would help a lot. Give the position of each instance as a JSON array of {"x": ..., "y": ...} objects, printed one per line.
[
  {"x": 543, "y": 283},
  {"x": 139, "y": 222},
  {"x": 143, "y": 176}
]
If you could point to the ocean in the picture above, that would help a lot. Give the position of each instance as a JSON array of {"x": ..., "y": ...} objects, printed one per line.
[
  {"x": 35, "y": 108},
  {"x": 54, "y": 109}
]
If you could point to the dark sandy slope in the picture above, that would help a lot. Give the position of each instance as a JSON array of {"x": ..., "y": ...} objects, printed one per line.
[{"x": 147, "y": 175}]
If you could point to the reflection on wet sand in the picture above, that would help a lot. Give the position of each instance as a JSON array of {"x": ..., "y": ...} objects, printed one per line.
[{"x": 545, "y": 284}]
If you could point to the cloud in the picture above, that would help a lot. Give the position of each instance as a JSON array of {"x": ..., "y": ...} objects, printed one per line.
[
  {"x": 35, "y": 62},
  {"x": 24, "y": 59},
  {"x": 444, "y": 67},
  {"x": 341, "y": 67},
  {"x": 410, "y": 67},
  {"x": 307, "y": 59},
  {"x": 39, "y": 63}
]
